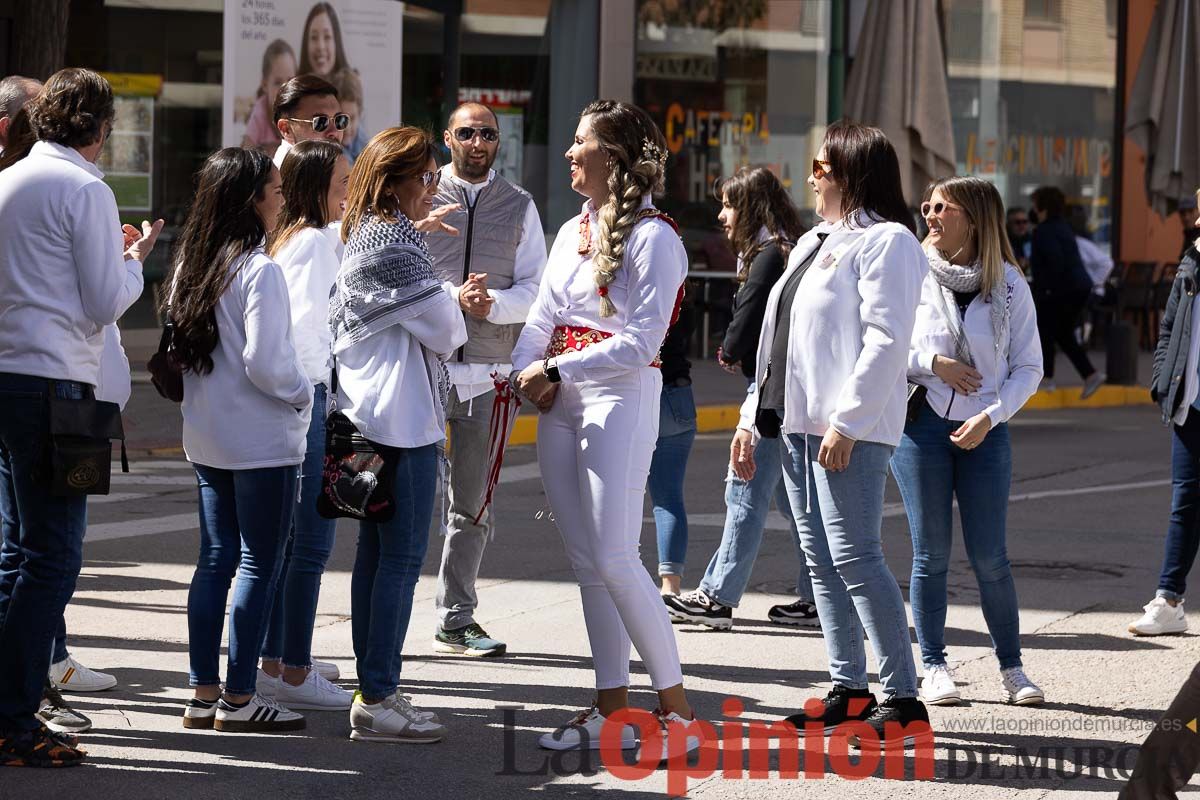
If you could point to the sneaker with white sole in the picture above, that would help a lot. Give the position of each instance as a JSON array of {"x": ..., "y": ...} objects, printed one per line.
[
  {"x": 1092, "y": 384},
  {"x": 583, "y": 733},
  {"x": 392, "y": 721},
  {"x": 1161, "y": 619},
  {"x": 801, "y": 613},
  {"x": 326, "y": 670},
  {"x": 1021, "y": 690},
  {"x": 257, "y": 715},
  {"x": 431, "y": 716},
  {"x": 700, "y": 609},
  {"x": 267, "y": 685},
  {"x": 199, "y": 714},
  {"x": 938, "y": 688},
  {"x": 315, "y": 694},
  {"x": 59, "y": 717},
  {"x": 69, "y": 675},
  {"x": 673, "y": 748}
]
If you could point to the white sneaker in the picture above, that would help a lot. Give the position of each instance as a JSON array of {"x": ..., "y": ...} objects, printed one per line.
[
  {"x": 199, "y": 713},
  {"x": 329, "y": 672},
  {"x": 259, "y": 715},
  {"x": 315, "y": 694},
  {"x": 672, "y": 749},
  {"x": 69, "y": 675},
  {"x": 583, "y": 733},
  {"x": 430, "y": 716},
  {"x": 1021, "y": 690},
  {"x": 1092, "y": 384},
  {"x": 938, "y": 688},
  {"x": 265, "y": 685},
  {"x": 393, "y": 721},
  {"x": 1161, "y": 618}
]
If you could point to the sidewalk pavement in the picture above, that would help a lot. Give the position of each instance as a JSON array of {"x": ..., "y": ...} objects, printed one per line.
[{"x": 718, "y": 397}]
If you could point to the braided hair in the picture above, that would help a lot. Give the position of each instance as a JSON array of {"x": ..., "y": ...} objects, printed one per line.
[{"x": 637, "y": 154}]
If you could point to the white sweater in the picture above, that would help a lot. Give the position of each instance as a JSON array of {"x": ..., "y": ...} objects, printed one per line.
[
  {"x": 1008, "y": 382},
  {"x": 63, "y": 274},
  {"x": 253, "y": 409},
  {"x": 644, "y": 291},
  {"x": 851, "y": 325},
  {"x": 310, "y": 260}
]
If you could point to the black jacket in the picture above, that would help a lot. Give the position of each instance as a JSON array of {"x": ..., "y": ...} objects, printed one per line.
[
  {"x": 1175, "y": 339},
  {"x": 675, "y": 347},
  {"x": 749, "y": 307},
  {"x": 1058, "y": 271}
]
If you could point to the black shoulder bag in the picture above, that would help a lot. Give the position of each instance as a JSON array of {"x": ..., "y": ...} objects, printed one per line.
[
  {"x": 79, "y": 450},
  {"x": 165, "y": 371},
  {"x": 358, "y": 475}
]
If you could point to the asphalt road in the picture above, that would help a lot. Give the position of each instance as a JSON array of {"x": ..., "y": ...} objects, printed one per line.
[{"x": 1090, "y": 499}]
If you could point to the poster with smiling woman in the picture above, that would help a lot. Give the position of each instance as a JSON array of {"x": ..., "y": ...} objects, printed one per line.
[{"x": 353, "y": 44}]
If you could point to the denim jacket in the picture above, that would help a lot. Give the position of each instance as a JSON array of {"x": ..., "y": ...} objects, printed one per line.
[{"x": 1172, "y": 356}]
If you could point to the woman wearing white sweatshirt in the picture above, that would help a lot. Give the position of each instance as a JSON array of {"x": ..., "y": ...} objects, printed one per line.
[
  {"x": 830, "y": 379},
  {"x": 976, "y": 351},
  {"x": 246, "y": 408},
  {"x": 315, "y": 174},
  {"x": 394, "y": 324}
]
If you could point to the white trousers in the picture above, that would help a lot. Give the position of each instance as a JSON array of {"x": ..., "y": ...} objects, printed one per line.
[{"x": 594, "y": 449}]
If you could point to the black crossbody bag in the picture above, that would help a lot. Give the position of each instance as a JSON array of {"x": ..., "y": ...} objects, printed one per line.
[
  {"x": 79, "y": 448},
  {"x": 358, "y": 475}
]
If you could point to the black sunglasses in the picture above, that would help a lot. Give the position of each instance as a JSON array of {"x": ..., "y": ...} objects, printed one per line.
[
  {"x": 321, "y": 121},
  {"x": 466, "y": 134}
]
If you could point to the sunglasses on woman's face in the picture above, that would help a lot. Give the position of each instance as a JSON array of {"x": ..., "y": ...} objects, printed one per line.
[
  {"x": 820, "y": 168},
  {"x": 466, "y": 134},
  {"x": 936, "y": 208},
  {"x": 321, "y": 121},
  {"x": 428, "y": 178}
]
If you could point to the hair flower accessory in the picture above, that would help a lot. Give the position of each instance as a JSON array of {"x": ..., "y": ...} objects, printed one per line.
[{"x": 652, "y": 152}]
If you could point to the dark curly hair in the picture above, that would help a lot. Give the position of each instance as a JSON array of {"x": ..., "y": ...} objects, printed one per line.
[{"x": 73, "y": 108}]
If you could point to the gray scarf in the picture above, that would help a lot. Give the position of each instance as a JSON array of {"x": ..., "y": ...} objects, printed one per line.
[
  {"x": 953, "y": 278},
  {"x": 386, "y": 277}
]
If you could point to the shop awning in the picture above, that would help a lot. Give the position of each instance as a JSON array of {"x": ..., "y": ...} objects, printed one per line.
[
  {"x": 898, "y": 84},
  {"x": 1163, "y": 117}
]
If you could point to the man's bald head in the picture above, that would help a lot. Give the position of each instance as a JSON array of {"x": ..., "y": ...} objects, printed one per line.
[
  {"x": 471, "y": 109},
  {"x": 15, "y": 92}
]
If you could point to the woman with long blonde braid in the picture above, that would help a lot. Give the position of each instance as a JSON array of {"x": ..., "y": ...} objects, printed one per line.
[{"x": 588, "y": 358}]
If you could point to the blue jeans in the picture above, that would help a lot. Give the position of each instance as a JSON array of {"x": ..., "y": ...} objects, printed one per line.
[
  {"x": 676, "y": 432},
  {"x": 245, "y": 516},
  {"x": 931, "y": 472},
  {"x": 60, "y": 643},
  {"x": 42, "y": 548},
  {"x": 386, "y": 570},
  {"x": 839, "y": 516},
  {"x": 294, "y": 613},
  {"x": 747, "y": 504},
  {"x": 1183, "y": 527}
]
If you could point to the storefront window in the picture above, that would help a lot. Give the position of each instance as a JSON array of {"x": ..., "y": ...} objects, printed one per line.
[
  {"x": 731, "y": 85},
  {"x": 1032, "y": 101}
]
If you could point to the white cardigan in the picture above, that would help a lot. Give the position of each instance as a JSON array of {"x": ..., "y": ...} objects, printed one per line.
[
  {"x": 253, "y": 409},
  {"x": 644, "y": 291},
  {"x": 851, "y": 325},
  {"x": 310, "y": 261},
  {"x": 1008, "y": 382}
]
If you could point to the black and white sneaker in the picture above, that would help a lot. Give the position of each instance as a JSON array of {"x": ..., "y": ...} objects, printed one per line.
[
  {"x": 697, "y": 607},
  {"x": 199, "y": 713},
  {"x": 257, "y": 715},
  {"x": 801, "y": 613},
  {"x": 842, "y": 704},
  {"x": 899, "y": 721}
]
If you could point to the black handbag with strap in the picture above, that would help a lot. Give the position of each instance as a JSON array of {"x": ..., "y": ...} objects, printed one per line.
[
  {"x": 358, "y": 475},
  {"x": 79, "y": 448},
  {"x": 165, "y": 371}
]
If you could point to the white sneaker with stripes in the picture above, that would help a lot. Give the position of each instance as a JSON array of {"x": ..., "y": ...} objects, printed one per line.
[{"x": 259, "y": 715}]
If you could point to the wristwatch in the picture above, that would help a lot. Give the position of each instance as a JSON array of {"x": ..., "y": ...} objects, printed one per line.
[{"x": 550, "y": 370}]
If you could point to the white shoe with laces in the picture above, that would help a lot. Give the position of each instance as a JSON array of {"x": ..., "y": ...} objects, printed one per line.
[
  {"x": 583, "y": 733},
  {"x": 938, "y": 688},
  {"x": 673, "y": 748},
  {"x": 328, "y": 671},
  {"x": 1021, "y": 690},
  {"x": 266, "y": 685},
  {"x": 1161, "y": 618},
  {"x": 394, "y": 720},
  {"x": 315, "y": 694},
  {"x": 259, "y": 715},
  {"x": 69, "y": 675}
]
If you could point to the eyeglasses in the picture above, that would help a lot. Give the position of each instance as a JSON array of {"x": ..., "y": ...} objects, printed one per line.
[
  {"x": 1020, "y": 221},
  {"x": 431, "y": 177},
  {"x": 321, "y": 121},
  {"x": 466, "y": 134},
  {"x": 820, "y": 168},
  {"x": 936, "y": 208}
]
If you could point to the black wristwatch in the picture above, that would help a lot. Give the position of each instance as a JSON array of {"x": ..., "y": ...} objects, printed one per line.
[{"x": 551, "y": 371}]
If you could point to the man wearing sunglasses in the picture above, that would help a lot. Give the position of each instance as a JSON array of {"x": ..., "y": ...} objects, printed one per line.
[
  {"x": 307, "y": 107},
  {"x": 493, "y": 265}
]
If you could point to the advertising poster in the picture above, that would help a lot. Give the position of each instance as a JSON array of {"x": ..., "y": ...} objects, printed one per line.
[
  {"x": 127, "y": 160},
  {"x": 354, "y": 44}
]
